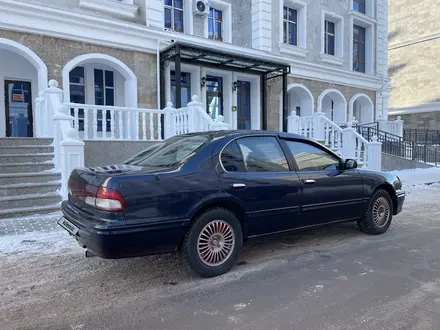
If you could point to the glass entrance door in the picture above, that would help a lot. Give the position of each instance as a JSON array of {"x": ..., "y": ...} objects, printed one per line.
[
  {"x": 244, "y": 105},
  {"x": 18, "y": 106},
  {"x": 214, "y": 96}
]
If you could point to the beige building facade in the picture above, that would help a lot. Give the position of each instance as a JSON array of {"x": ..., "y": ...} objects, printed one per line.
[{"x": 414, "y": 62}]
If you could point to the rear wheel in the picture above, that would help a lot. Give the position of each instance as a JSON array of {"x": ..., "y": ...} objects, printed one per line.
[
  {"x": 378, "y": 215},
  {"x": 212, "y": 243}
]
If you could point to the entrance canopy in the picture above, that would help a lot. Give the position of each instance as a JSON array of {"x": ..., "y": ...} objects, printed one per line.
[{"x": 179, "y": 53}]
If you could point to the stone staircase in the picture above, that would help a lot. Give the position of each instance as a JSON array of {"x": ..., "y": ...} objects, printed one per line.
[{"x": 29, "y": 184}]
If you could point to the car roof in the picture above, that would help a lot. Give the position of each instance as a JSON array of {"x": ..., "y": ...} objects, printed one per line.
[{"x": 237, "y": 133}]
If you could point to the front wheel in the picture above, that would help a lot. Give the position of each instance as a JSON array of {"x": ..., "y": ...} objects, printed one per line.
[
  {"x": 212, "y": 243},
  {"x": 378, "y": 215}
]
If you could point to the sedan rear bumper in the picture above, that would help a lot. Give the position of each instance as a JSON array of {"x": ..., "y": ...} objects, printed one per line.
[{"x": 125, "y": 241}]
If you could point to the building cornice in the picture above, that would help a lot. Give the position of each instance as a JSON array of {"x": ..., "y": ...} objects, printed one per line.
[{"x": 40, "y": 20}]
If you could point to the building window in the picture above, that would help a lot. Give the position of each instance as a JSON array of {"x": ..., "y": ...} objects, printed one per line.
[
  {"x": 104, "y": 95},
  {"x": 329, "y": 42},
  {"x": 290, "y": 26},
  {"x": 78, "y": 93},
  {"x": 358, "y": 49},
  {"x": 359, "y": 5},
  {"x": 215, "y": 24},
  {"x": 174, "y": 15},
  {"x": 185, "y": 87}
]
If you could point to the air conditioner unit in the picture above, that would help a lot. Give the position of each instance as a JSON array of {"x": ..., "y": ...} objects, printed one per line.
[{"x": 201, "y": 7}]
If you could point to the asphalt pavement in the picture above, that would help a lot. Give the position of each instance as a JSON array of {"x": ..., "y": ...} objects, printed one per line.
[{"x": 333, "y": 278}]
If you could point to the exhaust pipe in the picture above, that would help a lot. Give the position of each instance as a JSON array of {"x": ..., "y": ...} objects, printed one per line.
[{"x": 88, "y": 254}]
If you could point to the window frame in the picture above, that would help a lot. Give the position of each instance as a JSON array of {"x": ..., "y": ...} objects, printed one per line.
[
  {"x": 338, "y": 58},
  {"x": 327, "y": 35},
  {"x": 286, "y": 25},
  {"x": 276, "y": 137},
  {"x": 104, "y": 87},
  {"x": 226, "y": 9},
  {"x": 300, "y": 50},
  {"x": 81, "y": 115},
  {"x": 361, "y": 44},
  {"x": 215, "y": 20},
  {"x": 360, "y": 2},
  {"x": 172, "y": 8},
  {"x": 283, "y": 142}
]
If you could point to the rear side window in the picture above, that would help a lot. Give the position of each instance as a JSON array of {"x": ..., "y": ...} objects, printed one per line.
[
  {"x": 262, "y": 154},
  {"x": 232, "y": 158}
]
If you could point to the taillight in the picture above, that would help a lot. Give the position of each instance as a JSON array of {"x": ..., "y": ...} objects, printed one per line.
[
  {"x": 100, "y": 198},
  {"x": 107, "y": 199}
]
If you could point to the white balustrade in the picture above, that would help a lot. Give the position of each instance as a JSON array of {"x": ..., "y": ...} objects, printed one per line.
[
  {"x": 95, "y": 122},
  {"x": 332, "y": 134},
  {"x": 392, "y": 126}
]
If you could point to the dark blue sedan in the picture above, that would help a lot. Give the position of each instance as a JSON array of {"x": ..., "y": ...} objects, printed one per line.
[{"x": 204, "y": 194}]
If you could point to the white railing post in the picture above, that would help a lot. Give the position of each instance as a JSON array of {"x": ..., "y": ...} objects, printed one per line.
[
  {"x": 40, "y": 120},
  {"x": 348, "y": 142},
  {"x": 383, "y": 124},
  {"x": 53, "y": 98},
  {"x": 219, "y": 124},
  {"x": 62, "y": 121},
  {"x": 72, "y": 156},
  {"x": 293, "y": 123},
  {"x": 195, "y": 107},
  {"x": 374, "y": 150},
  {"x": 318, "y": 126},
  {"x": 169, "y": 127},
  {"x": 399, "y": 126}
]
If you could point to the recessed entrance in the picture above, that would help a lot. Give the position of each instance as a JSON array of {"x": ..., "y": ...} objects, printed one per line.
[{"x": 18, "y": 108}]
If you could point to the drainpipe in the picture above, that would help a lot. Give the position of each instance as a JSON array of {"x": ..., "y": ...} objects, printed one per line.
[{"x": 158, "y": 72}]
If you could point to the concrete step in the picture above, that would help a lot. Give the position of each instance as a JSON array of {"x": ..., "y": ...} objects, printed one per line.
[
  {"x": 23, "y": 201},
  {"x": 29, "y": 188},
  {"x": 25, "y": 149},
  {"x": 26, "y": 211},
  {"x": 10, "y": 142},
  {"x": 25, "y": 167},
  {"x": 25, "y": 158},
  {"x": 39, "y": 177}
]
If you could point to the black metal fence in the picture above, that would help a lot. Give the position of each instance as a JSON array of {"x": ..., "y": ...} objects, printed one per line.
[
  {"x": 428, "y": 137},
  {"x": 413, "y": 149}
]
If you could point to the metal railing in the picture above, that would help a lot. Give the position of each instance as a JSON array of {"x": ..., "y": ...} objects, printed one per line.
[
  {"x": 428, "y": 137},
  {"x": 397, "y": 146}
]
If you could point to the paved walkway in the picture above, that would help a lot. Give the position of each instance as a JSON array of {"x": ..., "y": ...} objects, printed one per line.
[{"x": 37, "y": 223}]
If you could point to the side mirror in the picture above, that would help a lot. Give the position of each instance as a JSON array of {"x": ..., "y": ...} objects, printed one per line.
[{"x": 350, "y": 164}]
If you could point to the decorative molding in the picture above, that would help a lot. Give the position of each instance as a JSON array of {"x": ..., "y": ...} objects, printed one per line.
[
  {"x": 330, "y": 59},
  {"x": 362, "y": 17},
  {"x": 111, "y": 6},
  {"x": 414, "y": 41},
  {"x": 293, "y": 50}
]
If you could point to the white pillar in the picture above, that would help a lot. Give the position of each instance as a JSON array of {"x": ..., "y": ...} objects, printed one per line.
[
  {"x": 318, "y": 126},
  {"x": 53, "y": 98},
  {"x": 399, "y": 126},
  {"x": 72, "y": 156},
  {"x": 374, "y": 158},
  {"x": 293, "y": 123},
  {"x": 169, "y": 127},
  {"x": 348, "y": 142}
]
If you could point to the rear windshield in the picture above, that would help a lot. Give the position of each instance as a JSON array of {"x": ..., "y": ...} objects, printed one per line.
[{"x": 169, "y": 152}]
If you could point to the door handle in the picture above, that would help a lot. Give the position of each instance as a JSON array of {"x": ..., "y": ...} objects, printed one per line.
[
  {"x": 309, "y": 181},
  {"x": 238, "y": 185}
]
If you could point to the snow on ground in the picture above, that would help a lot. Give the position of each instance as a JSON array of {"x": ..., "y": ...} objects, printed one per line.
[
  {"x": 37, "y": 243},
  {"x": 418, "y": 176}
]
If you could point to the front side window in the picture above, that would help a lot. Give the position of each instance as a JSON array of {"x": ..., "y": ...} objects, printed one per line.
[
  {"x": 290, "y": 26},
  {"x": 215, "y": 24},
  {"x": 359, "y": 5},
  {"x": 329, "y": 44},
  {"x": 77, "y": 87},
  {"x": 311, "y": 158},
  {"x": 262, "y": 154},
  {"x": 358, "y": 49},
  {"x": 174, "y": 15}
]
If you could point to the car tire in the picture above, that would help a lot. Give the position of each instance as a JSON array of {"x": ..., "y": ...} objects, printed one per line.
[
  {"x": 378, "y": 214},
  {"x": 213, "y": 242}
]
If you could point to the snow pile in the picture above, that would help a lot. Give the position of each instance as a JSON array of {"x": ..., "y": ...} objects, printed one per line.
[
  {"x": 418, "y": 176},
  {"x": 37, "y": 243}
]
